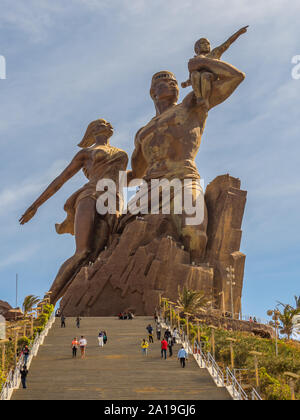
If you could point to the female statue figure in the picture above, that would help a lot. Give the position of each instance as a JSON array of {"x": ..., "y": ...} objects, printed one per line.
[{"x": 98, "y": 160}]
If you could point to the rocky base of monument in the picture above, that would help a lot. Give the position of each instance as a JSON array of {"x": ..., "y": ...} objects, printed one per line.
[{"x": 147, "y": 259}]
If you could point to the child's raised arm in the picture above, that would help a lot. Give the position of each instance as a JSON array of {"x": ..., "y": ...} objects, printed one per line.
[{"x": 218, "y": 51}]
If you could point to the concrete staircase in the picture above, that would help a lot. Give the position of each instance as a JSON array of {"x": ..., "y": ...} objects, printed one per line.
[{"x": 117, "y": 371}]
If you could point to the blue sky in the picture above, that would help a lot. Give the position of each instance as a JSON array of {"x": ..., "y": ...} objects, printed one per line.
[{"x": 71, "y": 62}]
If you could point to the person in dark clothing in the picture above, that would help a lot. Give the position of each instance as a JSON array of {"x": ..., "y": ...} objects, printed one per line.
[
  {"x": 75, "y": 345},
  {"x": 26, "y": 352},
  {"x": 24, "y": 372},
  {"x": 149, "y": 328},
  {"x": 104, "y": 337},
  {"x": 78, "y": 322},
  {"x": 170, "y": 346},
  {"x": 62, "y": 321},
  {"x": 167, "y": 334},
  {"x": 158, "y": 331}
]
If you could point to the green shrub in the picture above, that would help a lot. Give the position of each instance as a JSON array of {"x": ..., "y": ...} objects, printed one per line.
[
  {"x": 272, "y": 387},
  {"x": 23, "y": 341}
]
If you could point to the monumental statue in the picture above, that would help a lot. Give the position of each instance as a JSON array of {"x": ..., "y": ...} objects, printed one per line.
[{"x": 127, "y": 260}]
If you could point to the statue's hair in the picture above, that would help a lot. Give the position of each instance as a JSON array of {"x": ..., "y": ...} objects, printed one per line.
[{"x": 88, "y": 139}]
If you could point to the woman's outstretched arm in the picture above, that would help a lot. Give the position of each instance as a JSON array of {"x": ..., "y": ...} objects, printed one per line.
[{"x": 75, "y": 166}]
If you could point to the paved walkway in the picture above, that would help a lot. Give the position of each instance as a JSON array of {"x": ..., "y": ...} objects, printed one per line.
[{"x": 118, "y": 371}]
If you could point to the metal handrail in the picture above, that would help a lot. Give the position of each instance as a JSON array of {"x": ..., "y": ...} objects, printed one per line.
[
  {"x": 255, "y": 396},
  {"x": 237, "y": 390},
  {"x": 13, "y": 379},
  {"x": 208, "y": 361}
]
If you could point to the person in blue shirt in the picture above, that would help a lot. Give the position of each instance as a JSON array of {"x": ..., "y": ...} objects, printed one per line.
[{"x": 182, "y": 356}]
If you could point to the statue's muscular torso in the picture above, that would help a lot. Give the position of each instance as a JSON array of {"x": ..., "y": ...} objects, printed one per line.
[{"x": 169, "y": 142}]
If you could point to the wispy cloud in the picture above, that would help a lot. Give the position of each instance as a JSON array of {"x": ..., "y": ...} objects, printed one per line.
[
  {"x": 19, "y": 256},
  {"x": 14, "y": 196}
]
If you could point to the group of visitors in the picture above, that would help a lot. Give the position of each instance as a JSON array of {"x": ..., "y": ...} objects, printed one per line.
[
  {"x": 169, "y": 339},
  {"x": 63, "y": 321},
  {"x": 251, "y": 320},
  {"x": 125, "y": 315},
  {"x": 102, "y": 338},
  {"x": 81, "y": 343}
]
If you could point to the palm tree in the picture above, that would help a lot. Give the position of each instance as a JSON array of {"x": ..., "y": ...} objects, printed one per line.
[
  {"x": 192, "y": 301},
  {"x": 297, "y": 300},
  {"x": 29, "y": 302},
  {"x": 288, "y": 320}
]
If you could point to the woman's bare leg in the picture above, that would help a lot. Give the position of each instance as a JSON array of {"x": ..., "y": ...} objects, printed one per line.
[{"x": 84, "y": 227}]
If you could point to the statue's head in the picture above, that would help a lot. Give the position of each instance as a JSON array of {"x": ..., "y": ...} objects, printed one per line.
[
  {"x": 98, "y": 128},
  {"x": 202, "y": 46},
  {"x": 164, "y": 86}
]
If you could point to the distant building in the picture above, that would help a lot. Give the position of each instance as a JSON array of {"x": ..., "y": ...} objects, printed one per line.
[{"x": 4, "y": 307}]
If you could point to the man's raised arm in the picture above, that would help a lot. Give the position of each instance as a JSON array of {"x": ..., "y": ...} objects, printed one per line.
[{"x": 227, "y": 76}]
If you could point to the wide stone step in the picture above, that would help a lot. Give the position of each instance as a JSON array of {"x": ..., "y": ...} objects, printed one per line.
[{"x": 117, "y": 371}]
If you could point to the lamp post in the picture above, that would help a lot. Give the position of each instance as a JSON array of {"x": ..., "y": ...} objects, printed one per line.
[
  {"x": 31, "y": 326},
  {"x": 2, "y": 344},
  {"x": 275, "y": 323},
  {"x": 198, "y": 331},
  {"x": 255, "y": 354},
  {"x": 223, "y": 302},
  {"x": 187, "y": 324},
  {"x": 231, "y": 341},
  {"x": 213, "y": 328},
  {"x": 164, "y": 307},
  {"x": 231, "y": 277},
  {"x": 179, "y": 308},
  {"x": 292, "y": 379},
  {"x": 16, "y": 330},
  {"x": 171, "y": 314}
]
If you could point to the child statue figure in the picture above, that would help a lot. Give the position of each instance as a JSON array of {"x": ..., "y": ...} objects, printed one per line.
[{"x": 201, "y": 79}]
